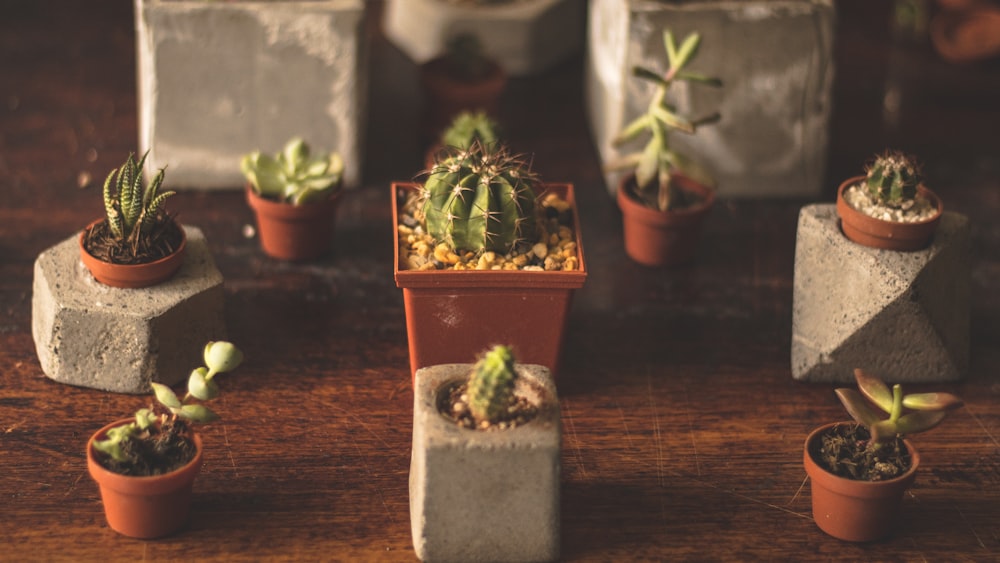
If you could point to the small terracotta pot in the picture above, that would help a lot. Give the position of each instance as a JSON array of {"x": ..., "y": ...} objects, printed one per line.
[
  {"x": 888, "y": 235},
  {"x": 850, "y": 510},
  {"x": 132, "y": 276},
  {"x": 293, "y": 232},
  {"x": 144, "y": 507},
  {"x": 663, "y": 238},
  {"x": 448, "y": 96}
]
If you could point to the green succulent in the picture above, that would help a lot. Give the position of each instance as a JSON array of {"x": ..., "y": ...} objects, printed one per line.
[
  {"x": 656, "y": 162},
  {"x": 491, "y": 385},
  {"x": 293, "y": 175},
  {"x": 471, "y": 126},
  {"x": 892, "y": 179},
  {"x": 480, "y": 199},
  {"x": 132, "y": 209}
]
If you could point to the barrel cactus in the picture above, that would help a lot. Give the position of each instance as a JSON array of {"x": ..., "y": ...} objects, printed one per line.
[
  {"x": 491, "y": 385},
  {"x": 480, "y": 199},
  {"x": 892, "y": 180}
]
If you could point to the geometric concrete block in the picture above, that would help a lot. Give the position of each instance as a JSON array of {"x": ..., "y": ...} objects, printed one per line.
[
  {"x": 523, "y": 37},
  {"x": 92, "y": 335},
  {"x": 775, "y": 60},
  {"x": 217, "y": 80},
  {"x": 901, "y": 315},
  {"x": 488, "y": 495}
]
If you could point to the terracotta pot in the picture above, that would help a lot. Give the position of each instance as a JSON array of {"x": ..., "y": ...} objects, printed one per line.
[
  {"x": 968, "y": 33},
  {"x": 132, "y": 276},
  {"x": 144, "y": 507},
  {"x": 889, "y": 235},
  {"x": 663, "y": 238},
  {"x": 293, "y": 232},
  {"x": 449, "y": 312},
  {"x": 447, "y": 96},
  {"x": 852, "y": 510}
]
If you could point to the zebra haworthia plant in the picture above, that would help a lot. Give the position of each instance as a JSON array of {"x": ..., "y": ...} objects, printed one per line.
[{"x": 132, "y": 209}]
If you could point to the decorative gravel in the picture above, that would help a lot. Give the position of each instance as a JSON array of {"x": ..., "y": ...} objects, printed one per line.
[{"x": 920, "y": 209}]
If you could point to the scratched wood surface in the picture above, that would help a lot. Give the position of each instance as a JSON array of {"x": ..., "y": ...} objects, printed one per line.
[{"x": 682, "y": 425}]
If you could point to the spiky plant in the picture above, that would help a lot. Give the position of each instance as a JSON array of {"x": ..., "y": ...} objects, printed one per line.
[
  {"x": 491, "y": 385},
  {"x": 471, "y": 126},
  {"x": 480, "y": 199},
  {"x": 655, "y": 164},
  {"x": 892, "y": 179},
  {"x": 131, "y": 209},
  {"x": 294, "y": 175}
]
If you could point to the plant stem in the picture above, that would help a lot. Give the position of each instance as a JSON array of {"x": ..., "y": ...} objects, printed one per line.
[{"x": 897, "y": 403}]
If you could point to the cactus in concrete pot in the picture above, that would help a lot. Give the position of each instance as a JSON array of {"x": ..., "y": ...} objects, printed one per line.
[
  {"x": 892, "y": 180},
  {"x": 480, "y": 199},
  {"x": 491, "y": 385}
]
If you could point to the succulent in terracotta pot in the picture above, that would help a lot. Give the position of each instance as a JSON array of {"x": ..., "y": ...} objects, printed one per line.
[
  {"x": 667, "y": 195},
  {"x": 859, "y": 471},
  {"x": 294, "y": 195},
  {"x": 889, "y": 207},
  {"x": 145, "y": 466},
  {"x": 137, "y": 243}
]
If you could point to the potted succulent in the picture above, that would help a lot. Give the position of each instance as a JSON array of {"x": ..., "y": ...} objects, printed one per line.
[
  {"x": 137, "y": 244},
  {"x": 484, "y": 472},
  {"x": 294, "y": 196},
  {"x": 484, "y": 238},
  {"x": 666, "y": 198},
  {"x": 146, "y": 466},
  {"x": 465, "y": 128},
  {"x": 889, "y": 207},
  {"x": 463, "y": 78},
  {"x": 860, "y": 470}
]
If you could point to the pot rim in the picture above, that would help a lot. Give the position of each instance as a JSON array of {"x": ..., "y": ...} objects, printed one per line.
[
  {"x": 135, "y": 484},
  {"x": 921, "y": 189},
  {"x": 284, "y": 210}
]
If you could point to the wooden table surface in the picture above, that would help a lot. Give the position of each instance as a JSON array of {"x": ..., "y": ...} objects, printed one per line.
[{"x": 683, "y": 427}]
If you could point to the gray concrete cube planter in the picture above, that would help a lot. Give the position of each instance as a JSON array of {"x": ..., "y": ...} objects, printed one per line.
[
  {"x": 774, "y": 58},
  {"x": 484, "y": 495},
  {"x": 217, "y": 80}
]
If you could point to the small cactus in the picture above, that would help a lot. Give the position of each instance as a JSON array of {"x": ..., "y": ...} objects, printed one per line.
[
  {"x": 491, "y": 385},
  {"x": 480, "y": 199},
  {"x": 468, "y": 127},
  {"x": 892, "y": 180},
  {"x": 131, "y": 209}
]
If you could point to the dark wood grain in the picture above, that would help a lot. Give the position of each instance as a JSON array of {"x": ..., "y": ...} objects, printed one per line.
[{"x": 683, "y": 428}]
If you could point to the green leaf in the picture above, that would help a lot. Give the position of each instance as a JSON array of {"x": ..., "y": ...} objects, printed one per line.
[
  {"x": 857, "y": 407},
  {"x": 166, "y": 396},
  {"x": 673, "y": 120},
  {"x": 671, "y": 47},
  {"x": 632, "y": 130},
  {"x": 884, "y": 430},
  {"x": 222, "y": 356},
  {"x": 201, "y": 388},
  {"x": 931, "y": 401},
  {"x": 197, "y": 413},
  {"x": 686, "y": 52},
  {"x": 873, "y": 388},
  {"x": 699, "y": 78},
  {"x": 648, "y": 165},
  {"x": 144, "y": 418},
  {"x": 647, "y": 74},
  {"x": 920, "y": 421}
]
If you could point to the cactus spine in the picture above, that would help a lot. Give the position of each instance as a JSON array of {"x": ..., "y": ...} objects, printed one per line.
[
  {"x": 892, "y": 180},
  {"x": 491, "y": 385},
  {"x": 480, "y": 199}
]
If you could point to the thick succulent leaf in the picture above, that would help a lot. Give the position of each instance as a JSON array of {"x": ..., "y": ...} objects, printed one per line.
[
  {"x": 654, "y": 77},
  {"x": 671, "y": 48},
  {"x": 222, "y": 356},
  {"x": 884, "y": 430},
  {"x": 197, "y": 413},
  {"x": 646, "y": 171},
  {"x": 264, "y": 173},
  {"x": 699, "y": 78},
  {"x": 920, "y": 421},
  {"x": 931, "y": 401},
  {"x": 858, "y": 407},
  {"x": 144, "y": 418},
  {"x": 687, "y": 51},
  {"x": 166, "y": 396},
  {"x": 873, "y": 388},
  {"x": 201, "y": 388},
  {"x": 673, "y": 120},
  {"x": 632, "y": 130},
  {"x": 295, "y": 153}
]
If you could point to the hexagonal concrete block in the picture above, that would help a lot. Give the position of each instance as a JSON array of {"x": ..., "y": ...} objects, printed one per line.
[
  {"x": 484, "y": 495},
  {"x": 217, "y": 80},
  {"x": 901, "y": 315},
  {"x": 92, "y": 335}
]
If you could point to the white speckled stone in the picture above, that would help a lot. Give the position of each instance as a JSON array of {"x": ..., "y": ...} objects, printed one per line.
[
  {"x": 92, "y": 335},
  {"x": 775, "y": 59},
  {"x": 484, "y": 495},
  {"x": 217, "y": 80},
  {"x": 901, "y": 315}
]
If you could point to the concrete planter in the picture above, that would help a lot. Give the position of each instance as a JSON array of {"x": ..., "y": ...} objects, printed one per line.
[
  {"x": 775, "y": 62},
  {"x": 524, "y": 36},
  {"x": 484, "y": 495},
  {"x": 217, "y": 80}
]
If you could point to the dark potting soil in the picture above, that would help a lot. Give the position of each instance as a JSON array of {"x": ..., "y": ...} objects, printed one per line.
[
  {"x": 156, "y": 451},
  {"x": 164, "y": 238},
  {"x": 845, "y": 450}
]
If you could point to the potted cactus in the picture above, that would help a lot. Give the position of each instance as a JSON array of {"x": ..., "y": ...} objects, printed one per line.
[
  {"x": 484, "y": 472},
  {"x": 467, "y": 127},
  {"x": 294, "y": 196},
  {"x": 860, "y": 470},
  {"x": 484, "y": 238},
  {"x": 666, "y": 197},
  {"x": 137, "y": 243},
  {"x": 889, "y": 207},
  {"x": 145, "y": 466}
]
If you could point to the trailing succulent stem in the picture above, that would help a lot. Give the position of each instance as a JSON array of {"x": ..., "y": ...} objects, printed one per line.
[
  {"x": 480, "y": 199},
  {"x": 892, "y": 180},
  {"x": 219, "y": 357},
  {"x": 132, "y": 209},
  {"x": 294, "y": 175},
  {"x": 491, "y": 385},
  {"x": 928, "y": 409},
  {"x": 657, "y": 161},
  {"x": 468, "y": 127}
]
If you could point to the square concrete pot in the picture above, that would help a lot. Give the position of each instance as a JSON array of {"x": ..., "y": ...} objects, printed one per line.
[
  {"x": 217, "y": 80},
  {"x": 450, "y": 312},
  {"x": 774, "y": 58},
  {"x": 484, "y": 495}
]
